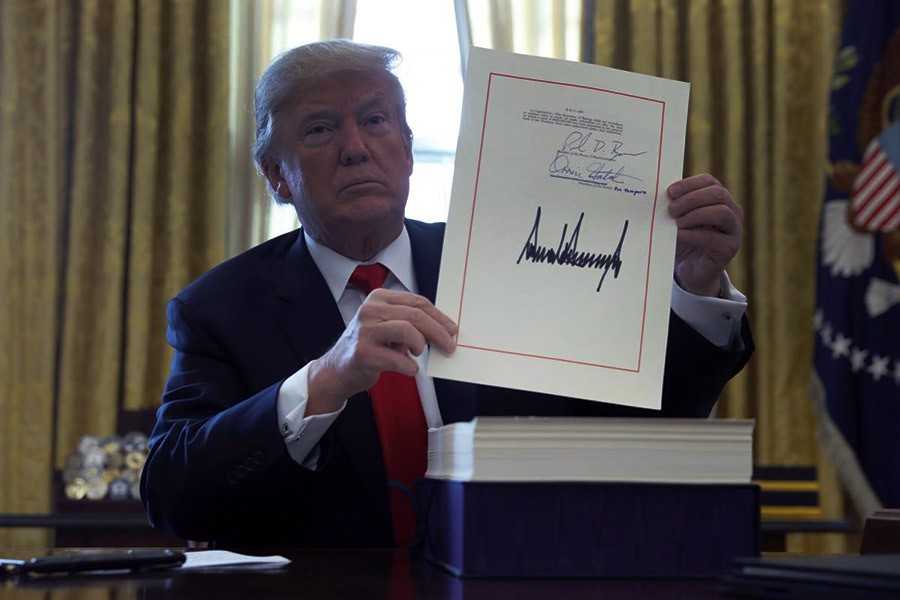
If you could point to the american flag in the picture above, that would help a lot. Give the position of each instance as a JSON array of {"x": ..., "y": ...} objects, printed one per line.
[
  {"x": 855, "y": 387},
  {"x": 875, "y": 205}
]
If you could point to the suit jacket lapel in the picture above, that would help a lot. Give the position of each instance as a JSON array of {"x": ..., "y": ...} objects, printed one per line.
[
  {"x": 312, "y": 322},
  {"x": 304, "y": 306}
]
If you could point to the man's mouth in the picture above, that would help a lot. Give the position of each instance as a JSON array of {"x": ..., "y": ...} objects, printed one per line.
[{"x": 359, "y": 183}]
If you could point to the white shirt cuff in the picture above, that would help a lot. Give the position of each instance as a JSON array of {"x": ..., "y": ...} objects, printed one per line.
[
  {"x": 716, "y": 319},
  {"x": 301, "y": 434}
]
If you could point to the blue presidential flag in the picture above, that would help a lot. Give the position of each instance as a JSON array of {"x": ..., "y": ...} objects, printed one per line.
[{"x": 855, "y": 386}]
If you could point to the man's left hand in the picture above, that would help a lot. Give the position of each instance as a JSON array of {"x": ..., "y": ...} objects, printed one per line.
[{"x": 710, "y": 228}]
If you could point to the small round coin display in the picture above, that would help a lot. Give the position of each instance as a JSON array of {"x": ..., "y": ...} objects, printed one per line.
[{"x": 76, "y": 489}]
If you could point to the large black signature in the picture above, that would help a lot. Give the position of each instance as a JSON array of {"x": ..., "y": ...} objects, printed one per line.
[{"x": 566, "y": 253}]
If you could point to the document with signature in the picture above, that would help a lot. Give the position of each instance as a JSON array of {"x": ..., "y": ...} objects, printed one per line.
[{"x": 559, "y": 250}]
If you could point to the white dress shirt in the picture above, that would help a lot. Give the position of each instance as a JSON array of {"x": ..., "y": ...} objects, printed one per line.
[{"x": 717, "y": 319}]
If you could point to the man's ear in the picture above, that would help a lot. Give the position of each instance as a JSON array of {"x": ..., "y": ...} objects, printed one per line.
[
  {"x": 272, "y": 171},
  {"x": 409, "y": 160},
  {"x": 407, "y": 146}
]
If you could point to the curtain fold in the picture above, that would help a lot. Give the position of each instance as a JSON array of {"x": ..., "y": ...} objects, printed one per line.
[
  {"x": 759, "y": 75},
  {"x": 179, "y": 166},
  {"x": 248, "y": 202},
  {"x": 337, "y": 18},
  {"x": 112, "y": 181},
  {"x": 536, "y": 27},
  {"x": 96, "y": 235},
  {"x": 34, "y": 134}
]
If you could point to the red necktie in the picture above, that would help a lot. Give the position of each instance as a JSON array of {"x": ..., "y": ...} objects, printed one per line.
[{"x": 400, "y": 422}]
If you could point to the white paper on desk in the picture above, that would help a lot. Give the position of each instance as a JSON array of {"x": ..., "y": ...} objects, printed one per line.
[
  {"x": 221, "y": 559},
  {"x": 592, "y": 149}
]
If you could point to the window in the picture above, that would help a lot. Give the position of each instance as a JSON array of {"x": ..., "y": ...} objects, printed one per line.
[{"x": 431, "y": 75}]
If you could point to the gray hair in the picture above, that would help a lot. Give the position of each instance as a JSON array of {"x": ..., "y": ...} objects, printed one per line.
[{"x": 293, "y": 70}]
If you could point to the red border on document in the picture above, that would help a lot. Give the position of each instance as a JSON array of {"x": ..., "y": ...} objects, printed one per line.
[{"x": 649, "y": 245}]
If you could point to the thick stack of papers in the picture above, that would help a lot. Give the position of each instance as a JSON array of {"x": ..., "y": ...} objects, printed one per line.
[{"x": 592, "y": 449}]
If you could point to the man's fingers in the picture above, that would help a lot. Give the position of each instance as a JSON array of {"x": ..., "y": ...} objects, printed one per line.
[
  {"x": 699, "y": 193},
  {"x": 416, "y": 301},
  {"x": 422, "y": 322},
  {"x": 718, "y": 243},
  {"x": 696, "y": 182},
  {"x": 397, "y": 336},
  {"x": 392, "y": 358},
  {"x": 717, "y": 217},
  {"x": 387, "y": 329},
  {"x": 414, "y": 311},
  {"x": 708, "y": 196}
]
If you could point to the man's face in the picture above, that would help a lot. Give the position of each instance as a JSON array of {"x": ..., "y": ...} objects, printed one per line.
[{"x": 342, "y": 157}]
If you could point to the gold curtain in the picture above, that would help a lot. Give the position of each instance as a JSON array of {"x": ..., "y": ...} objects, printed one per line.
[
  {"x": 537, "y": 27},
  {"x": 113, "y": 123},
  {"x": 759, "y": 75},
  {"x": 248, "y": 202}
]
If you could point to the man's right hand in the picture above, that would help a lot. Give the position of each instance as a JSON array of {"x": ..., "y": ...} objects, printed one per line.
[{"x": 387, "y": 328}]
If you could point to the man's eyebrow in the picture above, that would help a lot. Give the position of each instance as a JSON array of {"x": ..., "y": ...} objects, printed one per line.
[
  {"x": 316, "y": 113},
  {"x": 375, "y": 100}
]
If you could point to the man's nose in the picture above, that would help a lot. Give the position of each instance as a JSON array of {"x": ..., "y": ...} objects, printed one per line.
[{"x": 353, "y": 145}]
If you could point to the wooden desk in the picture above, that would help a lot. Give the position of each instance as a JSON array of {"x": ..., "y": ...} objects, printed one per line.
[{"x": 352, "y": 574}]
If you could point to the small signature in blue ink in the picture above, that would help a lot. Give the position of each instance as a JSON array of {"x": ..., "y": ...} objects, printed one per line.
[{"x": 584, "y": 158}]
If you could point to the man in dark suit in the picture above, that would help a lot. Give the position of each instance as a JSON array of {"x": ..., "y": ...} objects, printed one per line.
[{"x": 267, "y": 435}]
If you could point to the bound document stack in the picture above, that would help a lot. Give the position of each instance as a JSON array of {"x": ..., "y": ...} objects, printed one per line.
[
  {"x": 591, "y": 449},
  {"x": 535, "y": 496}
]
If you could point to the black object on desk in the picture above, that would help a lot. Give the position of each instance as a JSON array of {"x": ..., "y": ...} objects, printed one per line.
[
  {"x": 882, "y": 533},
  {"x": 836, "y": 577},
  {"x": 84, "y": 562}
]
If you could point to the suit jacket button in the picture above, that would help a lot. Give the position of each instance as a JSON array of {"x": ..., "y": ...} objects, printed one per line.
[
  {"x": 241, "y": 471},
  {"x": 232, "y": 477},
  {"x": 259, "y": 458}
]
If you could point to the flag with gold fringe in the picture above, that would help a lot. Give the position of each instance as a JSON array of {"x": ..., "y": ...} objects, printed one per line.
[{"x": 855, "y": 386}]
